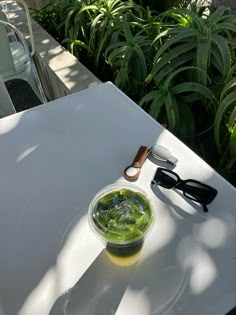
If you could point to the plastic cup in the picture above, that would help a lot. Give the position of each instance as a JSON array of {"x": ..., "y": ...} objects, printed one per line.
[{"x": 121, "y": 215}]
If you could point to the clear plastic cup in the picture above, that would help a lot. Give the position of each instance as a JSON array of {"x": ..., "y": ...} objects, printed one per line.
[{"x": 121, "y": 215}]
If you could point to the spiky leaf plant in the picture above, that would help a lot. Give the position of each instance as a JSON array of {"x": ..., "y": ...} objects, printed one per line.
[
  {"x": 175, "y": 99},
  {"x": 203, "y": 41},
  {"x": 129, "y": 58},
  {"x": 225, "y": 122}
]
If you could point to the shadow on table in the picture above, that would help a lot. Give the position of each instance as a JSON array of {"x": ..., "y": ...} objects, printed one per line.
[
  {"x": 99, "y": 290},
  {"x": 160, "y": 163},
  {"x": 193, "y": 217}
]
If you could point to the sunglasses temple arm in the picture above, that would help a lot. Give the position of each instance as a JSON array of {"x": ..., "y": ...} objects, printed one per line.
[
  {"x": 153, "y": 182},
  {"x": 178, "y": 186},
  {"x": 205, "y": 209}
]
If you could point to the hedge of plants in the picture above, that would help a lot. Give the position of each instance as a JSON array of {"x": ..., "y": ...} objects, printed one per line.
[{"x": 177, "y": 63}]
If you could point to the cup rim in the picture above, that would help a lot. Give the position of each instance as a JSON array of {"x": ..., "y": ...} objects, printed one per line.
[{"x": 108, "y": 189}]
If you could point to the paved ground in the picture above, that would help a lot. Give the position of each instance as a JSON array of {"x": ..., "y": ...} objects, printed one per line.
[{"x": 22, "y": 95}]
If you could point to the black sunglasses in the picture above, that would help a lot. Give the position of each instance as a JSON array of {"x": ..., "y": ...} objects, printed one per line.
[{"x": 191, "y": 188}]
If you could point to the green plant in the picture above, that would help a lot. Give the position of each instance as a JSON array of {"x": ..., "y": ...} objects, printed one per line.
[
  {"x": 75, "y": 23},
  {"x": 49, "y": 17},
  {"x": 225, "y": 123},
  {"x": 203, "y": 41},
  {"x": 129, "y": 58},
  {"x": 162, "y": 5},
  {"x": 106, "y": 23},
  {"x": 174, "y": 102}
]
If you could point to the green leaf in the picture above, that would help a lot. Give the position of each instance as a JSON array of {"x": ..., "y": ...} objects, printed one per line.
[
  {"x": 122, "y": 77},
  {"x": 67, "y": 21},
  {"x": 94, "y": 26},
  {"x": 80, "y": 43},
  {"x": 156, "y": 98},
  {"x": 127, "y": 32},
  {"x": 141, "y": 66},
  {"x": 175, "y": 40},
  {"x": 156, "y": 106},
  {"x": 224, "y": 105},
  {"x": 114, "y": 46},
  {"x": 216, "y": 60},
  {"x": 166, "y": 58},
  {"x": 195, "y": 87},
  {"x": 231, "y": 73},
  {"x": 223, "y": 47},
  {"x": 159, "y": 36},
  {"x": 232, "y": 122},
  {"x": 227, "y": 88},
  {"x": 187, "y": 124},
  {"x": 232, "y": 144},
  {"x": 225, "y": 26},
  {"x": 196, "y": 21},
  {"x": 177, "y": 72},
  {"x": 89, "y": 8},
  {"x": 203, "y": 52},
  {"x": 101, "y": 47},
  {"x": 216, "y": 16},
  {"x": 191, "y": 97},
  {"x": 179, "y": 18},
  {"x": 171, "y": 111},
  {"x": 148, "y": 97},
  {"x": 170, "y": 68},
  {"x": 118, "y": 53}
]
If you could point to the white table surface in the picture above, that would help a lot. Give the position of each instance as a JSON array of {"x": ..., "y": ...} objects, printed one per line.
[{"x": 53, "y": 160}]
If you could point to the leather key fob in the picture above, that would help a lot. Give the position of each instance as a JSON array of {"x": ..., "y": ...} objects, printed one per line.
[{"x": 132, "y": 172}]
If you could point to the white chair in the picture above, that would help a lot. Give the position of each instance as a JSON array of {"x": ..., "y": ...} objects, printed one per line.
[
  {"x": 16, "y": 59},
  {"x": 6, "y": 17},
  {"x": 6, "y": 106}
]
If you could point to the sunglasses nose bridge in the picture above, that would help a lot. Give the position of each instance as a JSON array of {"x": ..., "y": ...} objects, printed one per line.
[{"x": 179, "y": 185}]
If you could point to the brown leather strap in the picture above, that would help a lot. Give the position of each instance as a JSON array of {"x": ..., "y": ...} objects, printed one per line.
[
  {"x": 138, "y": 162},
  {"x": 140, "y": 157}
]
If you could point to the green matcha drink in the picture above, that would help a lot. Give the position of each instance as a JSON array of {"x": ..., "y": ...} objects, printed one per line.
[{"x": 121, "y": 214}]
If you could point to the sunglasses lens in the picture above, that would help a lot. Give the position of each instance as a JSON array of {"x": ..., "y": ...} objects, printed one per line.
[
  {"x": 199, "y": 192},
  {"x": 166, "y": 178}
]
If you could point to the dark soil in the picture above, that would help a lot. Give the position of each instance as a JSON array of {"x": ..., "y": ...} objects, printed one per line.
[{"x": 22, "y": 95}]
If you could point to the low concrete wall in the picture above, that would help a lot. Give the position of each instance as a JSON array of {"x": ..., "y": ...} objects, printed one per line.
[
  {"x": 37, "y": 4},
  {"x": 60, "y": 72}
]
